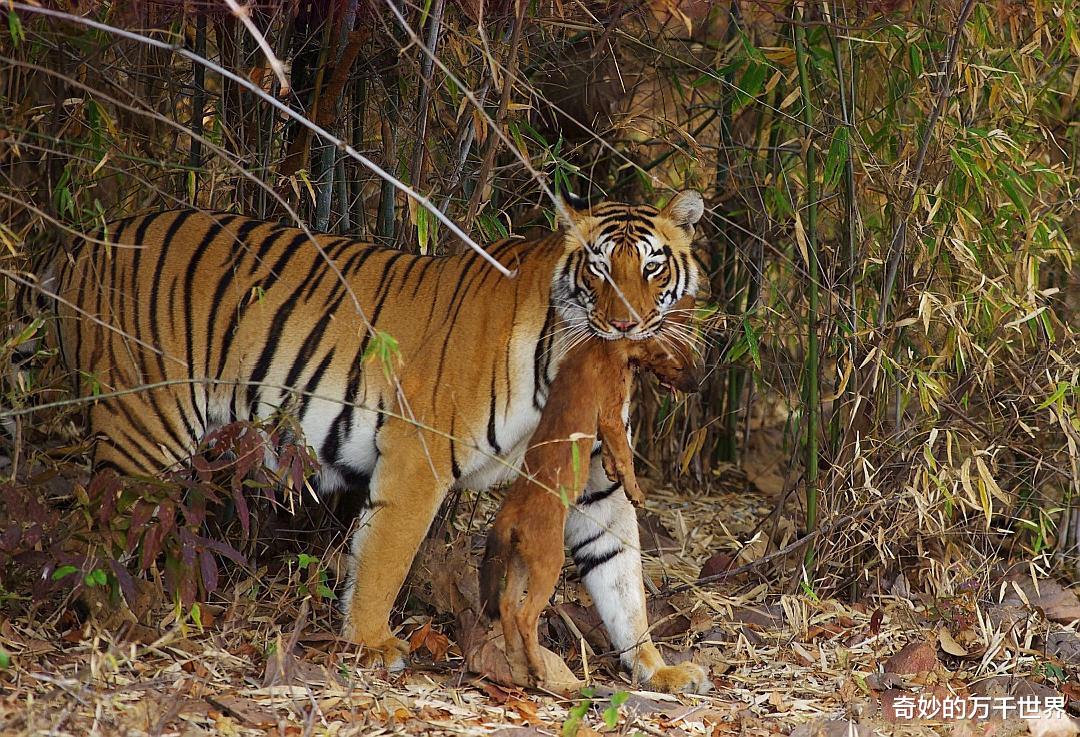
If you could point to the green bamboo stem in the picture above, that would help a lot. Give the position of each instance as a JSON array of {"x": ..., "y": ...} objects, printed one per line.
[
  {"x": 811, "y": 367},
  {"x": 851, "y": 214},
  {"x": 198, "y": 106}
]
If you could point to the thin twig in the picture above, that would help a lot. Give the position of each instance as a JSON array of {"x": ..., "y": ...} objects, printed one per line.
[{"x": 244, "y": 14}]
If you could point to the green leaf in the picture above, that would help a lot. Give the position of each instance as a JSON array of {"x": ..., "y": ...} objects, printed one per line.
[
  {"x": 27, "y": 333},
  {"x": 1059, "y": 393},
  {"x": 384, "y": 347},
  {"x": 15, "y": 28},
  {"x": 611, "y": 716},
  {"x": 737, "y": 350},
  {"x": 752, "y": 343},
  {"x": 422, "y": 228},
  {"x": 63, "y": 571},
  {"x": 1013, "y": 192},
  {"x": 303, "y": 560},
  {"x": 752, "y": 52},
  {"x": 753, "y": 79},
  {"x": 619, "y": 698},
  {"x": 837, "y": 157}
]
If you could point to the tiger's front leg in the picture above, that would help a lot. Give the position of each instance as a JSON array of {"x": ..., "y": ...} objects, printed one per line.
[
  {"x": 602, "y": 535},
  {"x": 406, "y": 489}
]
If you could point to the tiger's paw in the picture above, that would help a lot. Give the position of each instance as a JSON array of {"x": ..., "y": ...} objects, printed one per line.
[
  {"x": 388, "y": 652},
  {"x": 681, "y": 678}
]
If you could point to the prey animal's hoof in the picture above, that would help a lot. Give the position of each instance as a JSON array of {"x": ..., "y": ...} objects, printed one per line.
[
  {"x": 634, "y": 492},
  {"x": 681, "y": 678}
]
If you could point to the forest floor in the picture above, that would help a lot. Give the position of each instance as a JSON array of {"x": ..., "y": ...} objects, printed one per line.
[{"x": 780, "y": 661}]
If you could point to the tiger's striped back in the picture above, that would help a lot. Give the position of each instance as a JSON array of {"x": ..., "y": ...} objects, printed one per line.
[{"x": 222, "y": 317}]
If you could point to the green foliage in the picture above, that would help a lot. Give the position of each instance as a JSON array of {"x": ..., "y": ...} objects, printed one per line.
[
  {"x": 611, "y": 713},
  {"x": 577, "y": 713},
  {"x": 316, "y": 580},
  {"x": 383, "y": 348}
]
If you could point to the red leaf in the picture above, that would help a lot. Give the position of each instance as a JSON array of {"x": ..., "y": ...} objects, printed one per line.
[
  {"x": 875, "y": 622},
  {"x": 209, "y": 569}
]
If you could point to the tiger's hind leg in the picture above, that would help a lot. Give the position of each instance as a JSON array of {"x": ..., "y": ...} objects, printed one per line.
[{"x": 405, "y": 495}]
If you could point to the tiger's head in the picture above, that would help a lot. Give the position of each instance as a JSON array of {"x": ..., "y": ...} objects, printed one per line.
[{"x": 627, "y": 265}]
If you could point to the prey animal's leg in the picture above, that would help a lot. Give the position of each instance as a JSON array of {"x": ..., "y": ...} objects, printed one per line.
[
  {"x": 618, "y": 458},
  {"x": 543, "y": 558},
  {"x": 517, "y": 579}
]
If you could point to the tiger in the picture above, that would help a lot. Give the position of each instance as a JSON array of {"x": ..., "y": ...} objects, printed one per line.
[{"x": 188, "y": 320}]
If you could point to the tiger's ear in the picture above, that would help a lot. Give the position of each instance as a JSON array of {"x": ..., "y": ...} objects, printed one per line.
[
  {"x": 685, "y": 209},
  {"x": 576, "y": 208}
]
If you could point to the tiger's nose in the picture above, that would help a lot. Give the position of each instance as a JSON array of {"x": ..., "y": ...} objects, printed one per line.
[{"x": 623, "y": 326}]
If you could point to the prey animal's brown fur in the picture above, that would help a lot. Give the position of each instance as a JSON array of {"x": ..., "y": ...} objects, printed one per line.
[{"x": 524, "y": 553}]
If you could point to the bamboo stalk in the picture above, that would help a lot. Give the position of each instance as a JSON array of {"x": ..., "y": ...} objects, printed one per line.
[
  {"x": 341, "y": 61},
  {"x": 427, "y": 67},
  {"x": 198, "y": 106},
  {"x": 492, "y": 146},
  {"x": 341, "y": 187},
  {"x": 811, "y": 365},
  {"x": 359, "y": 104},
  {"x": 851, "y": 217},
  {"x": 384, "y": 225}
]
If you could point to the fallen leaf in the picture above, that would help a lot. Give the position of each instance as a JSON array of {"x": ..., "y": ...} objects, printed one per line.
[
  {"x": 949, "y": 645},
  {"x": 526, "y": 709},
  {"x": 1057, "y": 603},
  {"x": 717, "y": 563},
  {"x": 875, "y": 622},
  {"x": 431, "y": 640},
  {"x": 915, "y": 657}
]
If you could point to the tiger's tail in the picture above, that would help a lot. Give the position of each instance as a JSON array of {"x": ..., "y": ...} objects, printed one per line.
[{"x": 497, "y": 554}]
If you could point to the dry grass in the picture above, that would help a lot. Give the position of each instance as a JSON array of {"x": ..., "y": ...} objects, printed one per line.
[{"x": 266, "y": 661}]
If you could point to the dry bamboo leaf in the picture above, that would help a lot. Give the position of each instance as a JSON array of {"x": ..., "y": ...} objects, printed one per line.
[
  {"x": 949, "y": 645},
  {"x": 801, "y": 240},
  {"x": 988, "y": 479}
]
